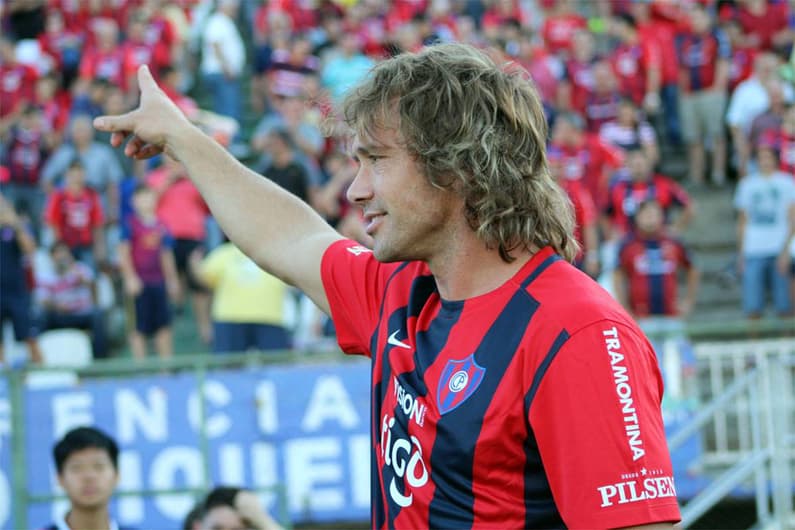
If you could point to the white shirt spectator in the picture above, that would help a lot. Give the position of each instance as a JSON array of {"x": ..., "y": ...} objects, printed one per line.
[
  {"x": 750, "y": 99},
  {"x": 222, "y": 30},
  {"x": 766, "y": 202}
]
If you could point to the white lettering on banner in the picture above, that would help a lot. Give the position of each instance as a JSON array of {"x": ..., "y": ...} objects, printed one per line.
[
  {"x": 231, "y": 469},
  {"x": 635, "y": 491},
  {"x": 309, "y": 463},
  {"x": 5, "y": 500},
  {"x": 71, "y": 410},
  {"x": 168, "y": 465},
  {"x": 624, "y": 392},
  {"x": 131, "y": 507},
  {"x": 267, "y": 407},
  {"x": 134, "y": 414},
  {"x": 215, "y": 424},
  {"x": 359, "y": 453},
  {"x": 405, "y": 458},
  {"x": 329, "y": 401},
  {"x": 410, "y": 404}
]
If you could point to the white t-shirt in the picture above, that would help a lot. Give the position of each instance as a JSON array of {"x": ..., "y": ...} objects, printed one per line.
[
  {"x": 748, "y": 101},
  {"x": 222, "y": 30},
  {"x": 766, "y": 202}
]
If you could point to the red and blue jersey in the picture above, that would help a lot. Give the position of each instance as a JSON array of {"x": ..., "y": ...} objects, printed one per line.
[
  {"x": 627, "y": 195},
  {"x": 536, "y": 405},
  {"x": 631, "y": 64},
  {"x": 147, "y": 241},
  {"x": 651, "y": 266},
  {"x": 698, "y": 58}
]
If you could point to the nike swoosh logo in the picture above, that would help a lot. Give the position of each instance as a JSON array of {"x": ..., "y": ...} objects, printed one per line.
[{"x": 394, "y": 341}]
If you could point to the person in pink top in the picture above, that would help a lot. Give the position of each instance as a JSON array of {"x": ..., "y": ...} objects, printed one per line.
[{"x": 182, "y": 210}]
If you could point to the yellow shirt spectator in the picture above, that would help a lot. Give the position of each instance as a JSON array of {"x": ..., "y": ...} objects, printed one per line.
[{"x": 243, "y": 293}]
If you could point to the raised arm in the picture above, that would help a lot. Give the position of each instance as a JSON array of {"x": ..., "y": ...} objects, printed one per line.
[{"x": 282, "y": 234}]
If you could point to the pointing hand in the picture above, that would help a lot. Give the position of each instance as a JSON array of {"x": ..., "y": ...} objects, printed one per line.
[{"x": 151, "y": 127}]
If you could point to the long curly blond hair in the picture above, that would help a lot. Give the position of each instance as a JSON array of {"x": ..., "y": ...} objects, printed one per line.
[{"x": 477, "y": 129}]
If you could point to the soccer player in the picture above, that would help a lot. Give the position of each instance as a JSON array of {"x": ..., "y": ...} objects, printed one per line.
[
  {"x": 87, "y": 462},
  {"x": 508, "y": 389}
]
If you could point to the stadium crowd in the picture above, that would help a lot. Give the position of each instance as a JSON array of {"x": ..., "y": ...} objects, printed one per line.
[{"x": 622, "y": 82}]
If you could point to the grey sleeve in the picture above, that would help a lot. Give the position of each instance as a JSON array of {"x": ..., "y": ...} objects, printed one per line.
[{"x": 56, "y": 164}]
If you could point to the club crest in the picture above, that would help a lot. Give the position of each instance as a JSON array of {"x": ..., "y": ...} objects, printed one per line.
[{"x": 459, "y": 380}]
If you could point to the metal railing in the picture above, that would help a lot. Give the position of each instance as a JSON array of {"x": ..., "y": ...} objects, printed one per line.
[{"x": 748, "y": 427}]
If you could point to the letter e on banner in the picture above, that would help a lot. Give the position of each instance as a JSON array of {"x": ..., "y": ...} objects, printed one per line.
[{"x": 71, "y": 410}]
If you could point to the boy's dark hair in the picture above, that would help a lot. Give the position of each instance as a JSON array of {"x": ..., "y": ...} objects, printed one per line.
[
  {"x": 60, "y": 244},
  {"x": 645, "y": 203},
  {"x": 84, "y": 438},
  {"x": 221, "y": 496},
  {"x": 626, "y": 19}
]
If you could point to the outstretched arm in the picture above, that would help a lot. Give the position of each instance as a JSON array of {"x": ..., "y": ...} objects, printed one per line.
[{"x": 282, "y": 234}]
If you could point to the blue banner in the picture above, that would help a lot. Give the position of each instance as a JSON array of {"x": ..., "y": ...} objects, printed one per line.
[{"x": 304, "y": 428}]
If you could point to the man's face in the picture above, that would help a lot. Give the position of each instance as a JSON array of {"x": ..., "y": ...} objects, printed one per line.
[
  {"x": 638, "y": 166},
  {"x": 222, "y": 518},
  {"x": 650, "y": 218},
  {"x": 89, "y": 478},
  {"x": 407, "y": 217}
]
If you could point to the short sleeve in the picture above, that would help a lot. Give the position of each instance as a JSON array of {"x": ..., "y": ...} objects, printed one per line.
[
  {"x": 354, "y": 282},
  {"x": 741, "y": 196},
  {"x": 598, "y": 424}
]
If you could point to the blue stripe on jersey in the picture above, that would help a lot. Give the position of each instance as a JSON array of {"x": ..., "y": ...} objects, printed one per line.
[
  {"x": 538, "y": 270},
  {"x": 540, "y": 508},
  {"x": 377, "y": 509},
  {"x": 457, "y": 432},
  {"x": 561, "y": 339}
]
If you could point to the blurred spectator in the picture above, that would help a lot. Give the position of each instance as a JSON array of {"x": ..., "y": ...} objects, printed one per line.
[
  {"x": 283, "y": 168},
  {"x": 74, "y": 213},
  {"x": 742, "y": 55},
  {"x": 291, "y": 114},
  {"x": 182, "y": 210},
  {"x": 649, "y": 264},
  {"x": 103, "y": 58},
  {"x": 748, "y": 101},
  {"x": 26, "y": 148},
  {"x": 584, "y": 156},
  {"x": 704, "y": 55},
  {"x": 601, "y": 104},
  {"x": 546, "y": 69},
  {"x": 661, "y": 30},
  {"x": 248, "y": 303},
  {"x": 586, "y": 217},
  {"x": 229, "y": 508},
  {"x": 89, "y": 97},
  {"x": 636, "y": 63},
  {"x": 54, "y": 105},
  {"x": 769, "y": 122},
  {"x": 17, "y": 84},
  {"x": 62, "y": 46},
  {"x": 223, "y": 59},
  {"x": 150, "y": 277},
  {"x": 67, "y": 299},
  {"x": 629, "y": 130},
  {"x": 137, "y": 50},
  {"x": 103, "y": 172},
  {"x": 765, "y": 201},
  {"x": 560, "y": 26},
  {"x": 765, "y": 24},
  {"x": 346, "y": 65},
  {"x": 290, "y": 65},
  {"x": 643, "y": 184},
  {"x": 16, "y": 247},
  {"x": 578, "y": 82},
  {"x": 87, "y": 464}
]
